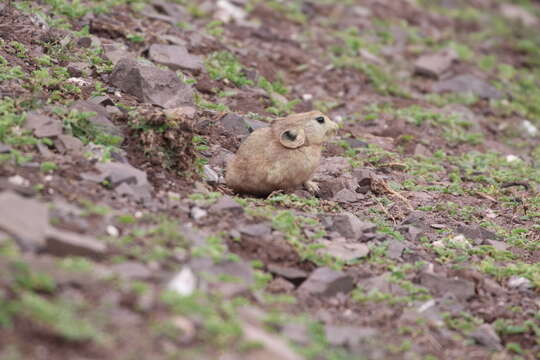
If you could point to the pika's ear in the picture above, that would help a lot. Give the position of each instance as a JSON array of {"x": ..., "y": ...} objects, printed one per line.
[{"x": 292, "y": 138}]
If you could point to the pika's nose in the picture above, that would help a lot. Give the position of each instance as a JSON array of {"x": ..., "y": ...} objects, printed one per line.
[{"x": 333, "y": 128}]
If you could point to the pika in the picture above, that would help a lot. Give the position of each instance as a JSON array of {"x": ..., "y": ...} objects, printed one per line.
[{"x": 282, "y": 156}]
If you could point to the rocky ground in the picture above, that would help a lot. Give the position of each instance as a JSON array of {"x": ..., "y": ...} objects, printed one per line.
[{"x": 119, "y": 239}]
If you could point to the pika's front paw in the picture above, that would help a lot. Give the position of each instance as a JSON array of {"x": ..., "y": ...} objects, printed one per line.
[{"x": 312, "y": 187}]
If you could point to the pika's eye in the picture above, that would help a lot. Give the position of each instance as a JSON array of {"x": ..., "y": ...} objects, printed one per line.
[{"x": 320, "y": 119}]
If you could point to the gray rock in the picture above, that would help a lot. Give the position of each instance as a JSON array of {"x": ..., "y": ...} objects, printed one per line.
[
  {"x": 519, "y": 13},
  {"x": 100, "y": 120},
  {"x": 150, "y": 84},
  {"x": 24, "y": 219},
  {"x": 115, "y": 52},
  {"x": 435, "y": 65},
  {"x": 132, "y": 270},
  {"x": 210, "y": 273},
  {"x": 253, "y": 124},
  {"x": 122, "y": 177},
  {"x": 175, "y": 12},
  {"x": 298, "y": 333},
  {"x": 349, "y": 226},
  {"x": 63, "y": 243},
  {"x": 347, "y": 196},
  {"x": 520, "y": 283},
  {"x": 529, "y": 129},
  {"x": 421, "y": 150},
  {"x": 381, "y": 284},
  {"x": 68, "y": 144},
  {"x": 343, "y": 250},
  {"x": 485, "y": 335},
  {"x": 411, "y": 232},
  {"x": 235, "y": 124},
  {"x": 476, "y": 233},
  {"x": 5, "y": 149},
  {"x": 210, "y": 175},
  {"x": 175, "y": 57},
  {"x": 462, "y": 289},
  {"x": 197, "y": 213},
  {"x": 355, "y": 143},
  {"x": 288, "y": 272},
  {"x": 273, "y": 347},
  {"x": 226, "y": 203},
  {"x": 79, "y": 69},
  {"x": 498, "y": 245},
  {"x": 326, "y": 282},
  {"x": 348, "y": 336},
  {"x": 256, "y": 230},
  {"x": 468, "y": 84},
  {"x": 42, "y": 125},
  {"x": 395, "y": 249}
]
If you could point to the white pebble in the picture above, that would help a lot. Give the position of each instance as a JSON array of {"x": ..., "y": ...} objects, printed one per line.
[
  {"x": 512, "y": 158},
  {"x": 184, "y": 282},
  {"x": 112, "y": 231},
  {"x": 18, "y": 180}
]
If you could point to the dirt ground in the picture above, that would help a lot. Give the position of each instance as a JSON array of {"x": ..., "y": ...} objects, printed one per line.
[{"x": 119, "y": 238}]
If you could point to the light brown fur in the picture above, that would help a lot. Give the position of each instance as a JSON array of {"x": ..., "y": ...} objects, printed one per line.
[{"x": 280, "y": 157}]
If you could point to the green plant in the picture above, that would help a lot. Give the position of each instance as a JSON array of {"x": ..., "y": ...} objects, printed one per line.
[{"x": 225, "y": 66}]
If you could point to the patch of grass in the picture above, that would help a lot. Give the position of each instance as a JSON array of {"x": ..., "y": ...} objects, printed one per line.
[
  {"x": 8, "y": 72},
  {"x": 61, "y": 316},
  {"x": 223, "y": 65},
  {"x": 78, "y": 124}
]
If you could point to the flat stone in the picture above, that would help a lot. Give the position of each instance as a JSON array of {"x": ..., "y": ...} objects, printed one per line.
[
  {"x": 476, "y": 233},
  {"x": 211, "y": 273},
  {"x": 63, "y": 243},
  {"x": 253, "y": 124},
  {"x": 355, "y": 143},
  {"x": 343, "y": 250},
  {"x": 498, "y": 245},
  {"x": 349, "y": 226},
  {"x": 435, "y": 65},
  {"x": 348, "y": 336},
  {"x": 226, "y": 203},
  {"x": 518, "y": 13},
  {"x": 288, "y": 272},
  {"x": 485, "y": 335},
  {"x": 132, "y": 270},
  {"x": 421, "y": 150},
  {"x": 347, "y": 196},
  {"x": 395, "y": 249},
  {"x": 256, "y": 230},
  {"x": 235, "y": 124},
  {"x": 175, "y": 57},
  {"x": 68, "y": 144},
  {"x": 5, "y": 149},
  {"x": 411, "y": 232},
  {"x": 520, "y": 283},
  {"x": 381, "y": 284},
  {"x": 26, "y": 220},
  {"x": 327, "y": 282},
  {"x": 273, "y": 347},
  {"x": 115, "y": 52},
  {"x": 43, "y": 126},
  {"x": 122, "y": 177},
  {"x": 79, "y": 69},
  {"x": 210, "y": 175},
  {"x": 100, "y": 119},
  {"x": 150, "y": 84},
  {"x": 467, "y": 84},
  {"x": 462, "y": 289},
  {"x": 298, "y": 333}
]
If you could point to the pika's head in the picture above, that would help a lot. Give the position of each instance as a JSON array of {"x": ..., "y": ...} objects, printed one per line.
[{"x": 304, "y": 129}]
